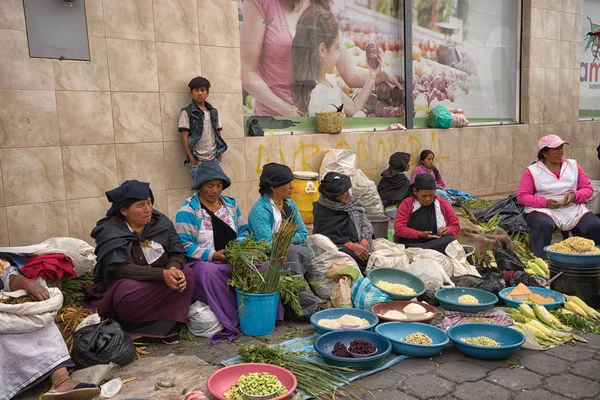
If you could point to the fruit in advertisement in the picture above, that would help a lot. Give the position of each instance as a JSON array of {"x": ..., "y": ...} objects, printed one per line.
[
  {"x": 432, "y": 45},
  {"x": 372, "y": 56},
  {"x": 371, "y": 102},
  {"x": 250, "y": 102},
  {"x": 387, "y": 111},
  {"x": 384, "y": 91},
  {"x": 379, "y": 106},
  {"x": 389, "y": 58},
  {"x": 397, "y": 93},
  {"x": 348, "y": 42},
  {"x": 416, "y": 53}
]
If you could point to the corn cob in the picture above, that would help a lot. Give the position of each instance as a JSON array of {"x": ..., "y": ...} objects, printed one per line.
[
  {"x": 547, "y": 318},
  {"x": 587, "y": 309},
  {"x": 526, "y": 310},
  {"x": 543, "y": 266},
  {"x": 572, "y": 306}
]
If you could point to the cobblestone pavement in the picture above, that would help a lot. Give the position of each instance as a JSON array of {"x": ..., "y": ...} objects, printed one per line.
[{"x": 568, "y": 372}]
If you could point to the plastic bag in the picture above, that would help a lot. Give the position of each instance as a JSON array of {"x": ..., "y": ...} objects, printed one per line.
[
  {"x": 387, "y": 254},
  {"x": 102, "y": 344},
  {"x": 468, "y": 281},
  {"x": 431, "y": 273},
  {"x": 202, "y": 321},
  {"x": 493, "y": 281},
  {"x": 506, "y": 259},
  {"x": 456, "y": 253},
  {"x": 338, "y": 160},
  {"x": 417, "y": 253},
  {"x": 439, "y": 117},
  {"x": 511, "y": 212},
  {"x": 341, "y": 294},
  {"x": 366, "y": 191},
  {"x": 526, "y": 279},
  {"x": 365, "y": 295},
  {"x": 254, "y": 128}
]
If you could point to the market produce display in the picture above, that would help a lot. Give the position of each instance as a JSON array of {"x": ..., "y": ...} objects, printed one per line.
[
  {"x": 537, "y": 266},
  {"x": 481, "y": 341},
  {"x": 255, "y": 384},
  {"x": 467, "y": 299},
  {"x": 523, "y": 293},
  {"x": 345, "y": 319},
  {"x": 575, "y": 245},
  {"x": 362, "y": 346},
  {"x": 340, "y": 350},
  {"x": 397, "y": 288},
  {"x": 418, "y": 338}
]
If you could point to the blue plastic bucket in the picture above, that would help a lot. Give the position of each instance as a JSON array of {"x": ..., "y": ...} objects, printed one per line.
[{"x": 257, "y": 312}]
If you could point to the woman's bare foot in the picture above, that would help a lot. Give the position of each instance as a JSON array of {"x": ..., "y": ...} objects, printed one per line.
[{"x": 67, "y": 385}]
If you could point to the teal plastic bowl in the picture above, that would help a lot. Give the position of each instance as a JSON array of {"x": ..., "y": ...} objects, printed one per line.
[
  {"x": 394, "y": 275},
  {"x": 324, "y": 346},
  {"x": 335, "y": 313},
  {"x": 558, "y": 297},
  {"x": 394, "y": 331},
  {"x": 575, "y": 259},
  {"x": 511, "y": 340},
  {"x": 448, "y": 299}
]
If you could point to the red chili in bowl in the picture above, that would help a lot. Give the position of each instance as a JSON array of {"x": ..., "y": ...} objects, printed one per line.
[{"x": 361, "y": 346}]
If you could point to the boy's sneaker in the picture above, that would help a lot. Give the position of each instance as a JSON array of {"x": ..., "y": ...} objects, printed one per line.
[{"x": 141, "y": 343}]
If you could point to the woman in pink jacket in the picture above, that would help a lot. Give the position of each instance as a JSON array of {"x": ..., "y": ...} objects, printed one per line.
[
  {"x": 425, "y": 219},
  {"x": 554, "y": 191}
]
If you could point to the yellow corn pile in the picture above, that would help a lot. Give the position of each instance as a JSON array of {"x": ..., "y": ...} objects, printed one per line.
[
  {"x": 575, "y": 245},
  {"x": 418, "y": 338},
  {"x": 396, "y": 288},
  {"x": 481, "y": 341},
  {"x": 467, "y": 299}
]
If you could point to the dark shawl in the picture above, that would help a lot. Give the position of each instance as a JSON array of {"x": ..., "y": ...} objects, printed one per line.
[
  {"x": 126, "y": 194},
  {"x": 342, "y": 223},
  {"x": 114, "y": 241}
]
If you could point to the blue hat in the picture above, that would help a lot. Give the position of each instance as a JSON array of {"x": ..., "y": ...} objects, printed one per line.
[
  {"x": 209, "y": 171},
  {"x": 128, "y": 193}
]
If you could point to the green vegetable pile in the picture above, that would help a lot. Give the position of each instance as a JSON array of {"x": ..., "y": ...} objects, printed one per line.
[
  {"x": 478, "y": 204},
  {"x": 256, "y": 384},
  {"x": 72, "y": 288},
  {"x": 315, "y": 379}
]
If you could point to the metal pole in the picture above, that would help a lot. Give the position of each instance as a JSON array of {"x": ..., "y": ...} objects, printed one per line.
[{"x": 408, "y": 83}]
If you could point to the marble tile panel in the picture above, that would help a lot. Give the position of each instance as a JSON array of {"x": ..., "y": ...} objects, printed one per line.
[
  {"x": 142, "y": 161},
  {"x": 381, "y": 147},
  {"x": 178, "y": 175},
  {"x": 170, "y": 107},
  {"x": 448, "y": 142},
  {"x": 219, "y": 23},
  {"x": 177, "y": 64},
  {"x": 469, "y": 175},
  {"x": 161, "y": 203},
  {"x": 31, "y": 175},
  {"x": 85, "y": 118},
  {"x": 83, "y": 215},
  {"x": 4, "y": 240},
  {"x": 535, "y": 3},
  {"x": 504, "y": 169},
  {"x": 17, "y": 69},
  {"x": 231, "y": 162},
  {"x": 551, "y": 81},
  {"x": 182, "y": 11},
  {"x": 552, "y": 25},
  {"x": 94, "y": 13},
  {"x": 538, "y": 22},
  {"x": 132, "y": 65},
  {"x": 504, "y": 140},
  {"x": 28, "y": 118},
  {"x": 568, "y": 56},
  {"x": 260, "y": 151},
  {"x": 1, "y": 190},
  {"x": 552, "y": 58},
  {"x": 553, "y": 5},
  {"x": 298, "y": 151},
  {"x": 215, "y": 61},
  {"x": 567, "y": 26},
  {"x": 358, "y": 143},
  {"x": 231, "y": 114},
  {"x": 253, "y": 196},
  {"x": 486, "y": 142},
  {"x": 12, "y": 15},
  {"x": 450, "y": 171},
  {"x": 132, "y": 19},
  {"x": 486, "y": 170},
  {"x": 89, "y": 171},
  {"x": 551, "y": 109},
  {"x": 84, "y": 75},
  {"x": 239, "y": 192},
  {"x": 468, "y": 143},
  {"x": 577, "y": 27},
  {"x": 33, "y": 223},
  {"x": 568, "y": 6},
  {"x": 136, "y": 117}
]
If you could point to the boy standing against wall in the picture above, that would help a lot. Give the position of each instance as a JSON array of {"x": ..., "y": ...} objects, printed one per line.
[{"x": 200, "y": 127}]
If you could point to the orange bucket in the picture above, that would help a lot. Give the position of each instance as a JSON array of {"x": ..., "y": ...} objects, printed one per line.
[{"x": 305, "y": 192}]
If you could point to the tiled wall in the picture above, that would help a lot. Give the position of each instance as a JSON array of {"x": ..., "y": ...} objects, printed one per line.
[{"x": 70, "y": 130}]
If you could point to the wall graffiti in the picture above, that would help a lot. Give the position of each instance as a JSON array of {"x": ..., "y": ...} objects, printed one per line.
[{"x": 302, "y": 155}]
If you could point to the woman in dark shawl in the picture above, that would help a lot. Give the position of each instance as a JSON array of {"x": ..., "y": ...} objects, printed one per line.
[
  {"x": 425, "y": 219},
  {"x": 141, "y": 281},
  {"x": 341, "y": 217},
  {"x": 394, "y": 186}
]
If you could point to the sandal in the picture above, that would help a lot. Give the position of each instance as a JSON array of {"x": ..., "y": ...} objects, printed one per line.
[
  {"x": 171, "y": 340},
  {"x": 81, "y": 391}
]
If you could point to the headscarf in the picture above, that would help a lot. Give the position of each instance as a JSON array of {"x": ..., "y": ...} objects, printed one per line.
[
  {"x": 274, "y": 174},
  {"x": 424, "y": 182},
  {"x": 210, "y": 171},
  {"x": 355, "y": 209},
  {"x": 128, "y": 193},
  {"x": 399, "y": 161},
  {"x": 334, "y": 184}
]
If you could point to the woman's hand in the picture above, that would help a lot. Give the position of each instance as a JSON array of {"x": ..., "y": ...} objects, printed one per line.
[
  {"x": 443, "y": 231},
  {"x": 428, "y": 235},
  {"x": 219, "y": 256},
  {"x": 553, "y": 203},
  {"x": 375, "y": 71},
  {"x": 360, "y": 250},
  {"x": 175, "y": 279},
  {"x": 36, "y": 291},
  {"x": 569, "y": 198}
]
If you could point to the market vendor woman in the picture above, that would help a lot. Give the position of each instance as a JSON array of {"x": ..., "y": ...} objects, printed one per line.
[
  {"x": 425, "y": 219},
  {"x": 554, "y": 191}
]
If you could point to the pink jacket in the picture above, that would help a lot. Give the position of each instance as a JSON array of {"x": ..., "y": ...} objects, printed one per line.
[
  {"x": 406, "y": 208},
  {"x": 422, "y": 170},
  {"x": 526, "y": 190}
]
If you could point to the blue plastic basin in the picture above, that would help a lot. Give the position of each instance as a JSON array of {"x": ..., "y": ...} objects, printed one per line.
[
  {"x": 448, "y": 298},
  {"x": 511, "y": 340},
  {"x": 324, "y": 346},
  {"x": 558, "y": 297},
  {"x": 577, "y": 259},
  {"x": 335, "y": 313},
  {"x": 394, "y": 275},
  {"x": 394, "y": 331}
]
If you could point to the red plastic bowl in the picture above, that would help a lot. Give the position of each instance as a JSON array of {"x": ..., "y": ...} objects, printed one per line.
[
  {"x": 381, "y": 308},
  {"x": 221, "y": 380}
]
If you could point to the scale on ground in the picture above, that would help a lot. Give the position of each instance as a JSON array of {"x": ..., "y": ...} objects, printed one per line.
[{"x": 447, "y": 53}]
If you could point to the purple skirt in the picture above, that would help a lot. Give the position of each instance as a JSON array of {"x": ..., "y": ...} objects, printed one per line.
[
  {"x": 142, "y": 301},
  {"x": 210, "y": 287}
]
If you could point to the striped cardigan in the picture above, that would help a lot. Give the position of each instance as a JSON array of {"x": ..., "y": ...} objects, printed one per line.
[{"x": 188, "y": 222}]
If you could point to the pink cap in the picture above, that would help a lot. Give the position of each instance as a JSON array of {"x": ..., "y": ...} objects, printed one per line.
[{"x": 551, "y": 141}]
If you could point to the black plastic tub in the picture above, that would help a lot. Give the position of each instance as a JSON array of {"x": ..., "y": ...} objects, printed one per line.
[{"x": 581, "y": 280}]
